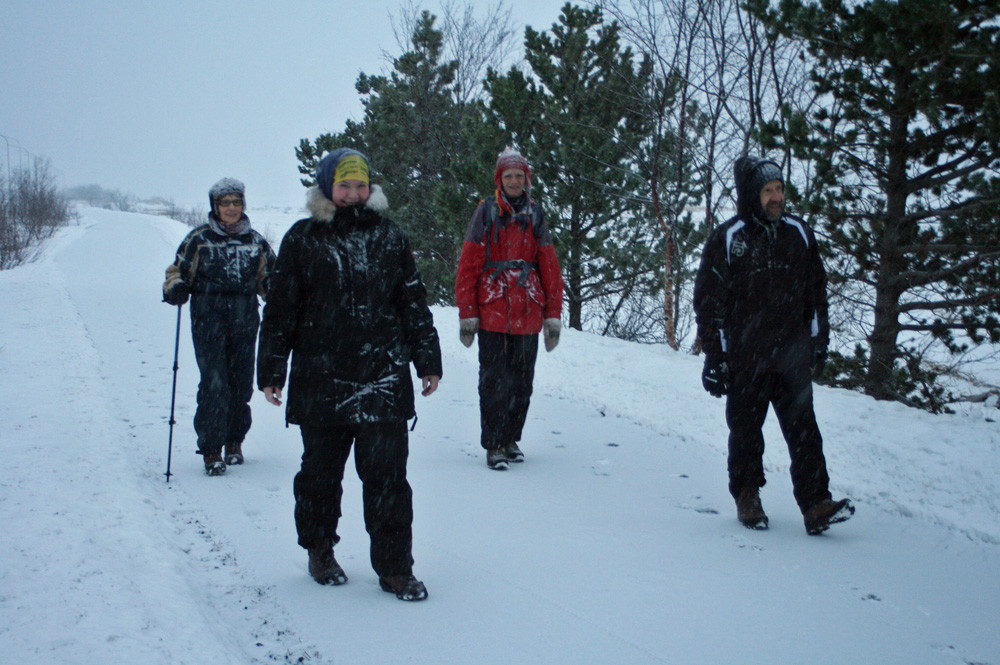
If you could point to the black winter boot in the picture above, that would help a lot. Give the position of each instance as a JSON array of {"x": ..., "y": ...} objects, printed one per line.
[
  {"x": 234, "y": 453},
  {"x": 324, "y": 567},
  {"x": 514, "y": 453},
  {"x": 819, "y": 518},
  {"x": 406, "y": 587},
  {"x": 748, "y": 509},
  {"x": 497, "y": 459},
  {"x": 214, "y": 466}
]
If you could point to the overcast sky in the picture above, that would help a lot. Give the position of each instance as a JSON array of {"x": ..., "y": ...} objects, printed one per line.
[{"x": 164, "y": 98}]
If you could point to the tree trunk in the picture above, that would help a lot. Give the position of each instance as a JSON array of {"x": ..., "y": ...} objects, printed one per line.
[
  {"x": 669, "y": 322},
  {"x": 668, "y": 296},
  {"x": 574, "y": 277},
  {"x": 878, "y": 380},
  {"x": 884, "y": 334}
]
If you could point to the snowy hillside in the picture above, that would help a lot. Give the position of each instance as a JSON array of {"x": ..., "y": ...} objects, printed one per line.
[{"x": 616, "y": 542}]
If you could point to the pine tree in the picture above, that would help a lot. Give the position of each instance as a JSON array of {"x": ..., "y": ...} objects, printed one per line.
[
  {"x": 417, "y": 138},
  {"x": 576, "y": 119},
  {"x": 905, "y": 154}
]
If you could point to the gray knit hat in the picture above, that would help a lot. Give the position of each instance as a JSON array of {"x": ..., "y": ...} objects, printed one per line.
[
  {"x": 765, "y": 172},
  {"x": 224, "y": 187}
]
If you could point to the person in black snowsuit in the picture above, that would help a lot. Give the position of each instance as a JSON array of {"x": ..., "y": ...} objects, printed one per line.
[
  {"x": 348, "y": 304},
  {"x": 223, "y": 265},
  {"x": 761, "y": 308}
]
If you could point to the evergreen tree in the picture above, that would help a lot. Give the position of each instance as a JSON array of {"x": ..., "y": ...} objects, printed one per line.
[
  {"x": 576, "y": 119},
  {"x": 417, "y": 138},
  {"x": 668, "y": 166},
  {"x": 905, "y": 154}
]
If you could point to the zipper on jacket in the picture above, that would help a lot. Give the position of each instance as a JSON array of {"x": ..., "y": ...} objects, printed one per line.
[{"x": 771, "y": 231}]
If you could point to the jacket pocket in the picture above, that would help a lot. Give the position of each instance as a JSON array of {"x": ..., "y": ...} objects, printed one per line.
[
  {"x": 535, "y": 291},
  {"x": 490, "y": 290},
  {"x": 399, "y": 356}
]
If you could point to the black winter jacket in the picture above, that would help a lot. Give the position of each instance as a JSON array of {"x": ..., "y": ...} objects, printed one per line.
[
  {"x": 347, "y": 302},
  {"x": 223, "y": 273},
  {"x": 209, "y": 260},
  {"x": 760, "y": 292}
]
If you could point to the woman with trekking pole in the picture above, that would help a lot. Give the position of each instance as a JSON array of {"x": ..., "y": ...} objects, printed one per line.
[{"x": 223, "y": 266}]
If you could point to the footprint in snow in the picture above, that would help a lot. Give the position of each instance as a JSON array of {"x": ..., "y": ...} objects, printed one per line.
[
  {"x": 258, "y": 520},
  {"x": 602, "y": 467},
  {"x": 864, "y": 595},
  {"x": 698, "y": 508},
  {"x": 744, "y": 545}
]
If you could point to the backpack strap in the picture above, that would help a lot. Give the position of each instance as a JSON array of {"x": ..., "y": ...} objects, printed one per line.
[
  {"x": 516, "y": 264},
  {"x": 525, "y": 267}
]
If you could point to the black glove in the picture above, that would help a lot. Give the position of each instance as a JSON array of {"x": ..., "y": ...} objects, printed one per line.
[
  {"x": 715, "y": 376},
  {"x": 818, "y": 361},
  {"x": 177, "y": 294}
]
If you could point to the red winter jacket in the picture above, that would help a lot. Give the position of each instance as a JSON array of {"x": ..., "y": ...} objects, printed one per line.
[{"x": 522, "y": 284}]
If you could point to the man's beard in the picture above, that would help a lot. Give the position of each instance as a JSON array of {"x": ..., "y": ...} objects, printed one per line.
[{"x": 774, "y": 211}]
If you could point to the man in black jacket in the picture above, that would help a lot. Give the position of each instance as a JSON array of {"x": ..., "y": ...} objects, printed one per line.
[{"x": 760, "y": 302}]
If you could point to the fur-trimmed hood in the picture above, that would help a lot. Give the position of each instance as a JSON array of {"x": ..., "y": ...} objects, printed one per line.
[{"x": 324, "y": 210}]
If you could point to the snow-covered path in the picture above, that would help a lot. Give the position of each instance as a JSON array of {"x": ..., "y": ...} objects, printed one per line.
[{"x": 614, "y": 543}]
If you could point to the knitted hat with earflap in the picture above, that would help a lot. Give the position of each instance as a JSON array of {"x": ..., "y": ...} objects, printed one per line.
[{"x": 512, "y": 159}]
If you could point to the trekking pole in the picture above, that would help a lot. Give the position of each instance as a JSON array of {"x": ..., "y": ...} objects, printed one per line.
[{"x": 173, "y": 392}]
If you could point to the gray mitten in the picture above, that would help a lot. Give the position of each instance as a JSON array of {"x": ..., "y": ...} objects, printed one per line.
[
  {"x": 550, "y": 331},
  {"x": 467, "y": 329}
]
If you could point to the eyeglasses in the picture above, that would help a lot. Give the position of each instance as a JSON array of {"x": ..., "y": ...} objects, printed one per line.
[{"x": 230, "y": 202}]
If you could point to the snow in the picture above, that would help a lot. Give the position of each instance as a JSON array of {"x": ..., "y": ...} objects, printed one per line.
[{"x": 615, "y": 542}]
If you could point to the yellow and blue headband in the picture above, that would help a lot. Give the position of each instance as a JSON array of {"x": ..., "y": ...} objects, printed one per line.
[{"x": 351, "y": 167}]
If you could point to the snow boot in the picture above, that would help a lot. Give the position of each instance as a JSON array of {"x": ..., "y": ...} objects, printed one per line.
[
  {"x": 214, "y": 466},
  {"x": 324, "y": 567},
  {"x": 514, "y": 453},
  {"x": 497, "y": 459},
  {"x": 234, "y": 453},
  {"x": 748, "y": 509},
  {"x": 406, "y": 587},
  {"x": 819, "y": 518}
]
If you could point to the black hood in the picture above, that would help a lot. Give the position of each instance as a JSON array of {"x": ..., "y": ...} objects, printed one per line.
[{"x": 751, "y": 174}]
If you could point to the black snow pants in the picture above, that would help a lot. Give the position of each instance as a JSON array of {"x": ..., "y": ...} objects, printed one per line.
[
  {"x": 224, "y": 331},
  {"x": 380, "y": 453},
  {"x": 506, "y": 374},
  {"x": 787, "y": 386}
]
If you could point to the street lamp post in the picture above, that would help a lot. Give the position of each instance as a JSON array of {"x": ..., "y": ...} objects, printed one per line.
[{"x": 7, "y": 141}]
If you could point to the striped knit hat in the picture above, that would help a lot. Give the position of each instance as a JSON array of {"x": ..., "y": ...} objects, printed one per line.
[{"x": 512, "y": 159}]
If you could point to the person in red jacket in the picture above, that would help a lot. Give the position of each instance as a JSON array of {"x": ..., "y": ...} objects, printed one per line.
[{"x": 508, "y": 289}]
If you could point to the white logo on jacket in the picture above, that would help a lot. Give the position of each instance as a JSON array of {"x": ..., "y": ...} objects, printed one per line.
[{"x": 739, "y": 247}]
